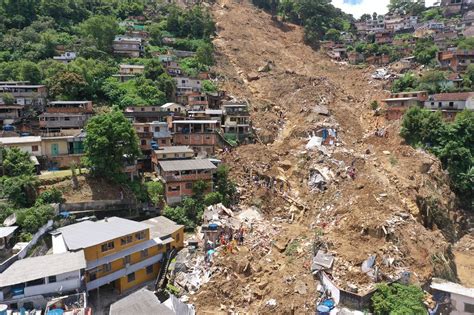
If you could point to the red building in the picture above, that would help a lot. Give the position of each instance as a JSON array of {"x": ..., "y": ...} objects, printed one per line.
[
  {"x": 179, "y": 176},
  {"x": 457, "y": 61},
  {"x": 398, "y": 103},
  {"x": 200, "y": 135}
]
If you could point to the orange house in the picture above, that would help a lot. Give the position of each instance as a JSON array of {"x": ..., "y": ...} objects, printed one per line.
[{"x": 119, "y": 253}]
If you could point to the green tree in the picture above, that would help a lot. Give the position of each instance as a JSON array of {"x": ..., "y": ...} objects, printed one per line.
[
  {"x": 102, "y": 29},
  {"x": 333, "y": 34},
  {"x": 19, "y": 190},
  {"x": 425, "y": 51},
  {"x": 204, "y": 54},
  {"x": 225, "y": 186},
  {"x": 17, "y": 163},
  {"x": 405, "y": 83},
  {"x": 213, "y": 198},
  {"x": 209, "y": 86},
  {"x": 153, "y": 69},
  {"x": 466, "y": 43},
  {"x": 7, "y": 98},
  {"x": 49, "y": 196},
  {"x": 29, "y": 71},
  {"x": 199, "y": 189},
  {"x": 156, "y": 191},
  {"x": 398, "y": 299},
  {"x": 68, "y": 85},
  {"x": 110, "y": 141}
]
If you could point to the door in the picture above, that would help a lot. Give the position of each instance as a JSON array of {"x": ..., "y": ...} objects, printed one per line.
[{"x": 54, "y": 149}]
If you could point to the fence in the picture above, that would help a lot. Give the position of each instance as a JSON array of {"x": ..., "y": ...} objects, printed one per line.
[{"x": 22, "y": 253}]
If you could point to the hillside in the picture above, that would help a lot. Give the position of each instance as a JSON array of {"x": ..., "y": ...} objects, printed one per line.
[{"x": 393, "y": 208}]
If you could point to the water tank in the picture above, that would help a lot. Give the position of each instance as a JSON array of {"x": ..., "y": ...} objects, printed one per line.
[{"x": 3, "y": 309}]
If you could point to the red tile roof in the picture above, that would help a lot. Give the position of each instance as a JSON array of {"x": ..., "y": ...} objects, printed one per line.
[{"x": 452, "y": 96}]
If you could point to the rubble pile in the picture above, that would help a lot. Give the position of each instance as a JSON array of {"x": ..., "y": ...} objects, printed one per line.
[{"x": 318, "y": 170}]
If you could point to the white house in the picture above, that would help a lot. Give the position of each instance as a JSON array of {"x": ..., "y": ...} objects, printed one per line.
[
  {"x": 42, "y": 275},
  {"x": 30, "y": 144},
  {"x": 67, "y": 57},
  {"x": 450, "y": 103},
  {"x": 462, "y": 298},
  {"x": 173, "y": 107},
  {"x": 185, "y": 84}
]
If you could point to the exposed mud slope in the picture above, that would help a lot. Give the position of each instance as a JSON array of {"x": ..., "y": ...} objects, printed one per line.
[{"x": 378, "y": 212}]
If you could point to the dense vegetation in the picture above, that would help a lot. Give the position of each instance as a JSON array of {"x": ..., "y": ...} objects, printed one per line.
[
  {"x": 18, "y": 187},
  {"x": 319, "y": 17},
  {"x": 452, "y": 143},
  {"x": 434, "y": 81},
  {"x": 398, "y": 299},
  {"x": 32, "y": 30}
]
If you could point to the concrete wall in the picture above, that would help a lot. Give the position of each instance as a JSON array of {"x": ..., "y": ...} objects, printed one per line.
[
  {"x": 458, "y": 302},
  {"x": 99, "y": 205}
]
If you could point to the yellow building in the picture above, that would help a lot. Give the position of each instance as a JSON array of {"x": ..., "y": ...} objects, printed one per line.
[{"x": 119, "y": 252}]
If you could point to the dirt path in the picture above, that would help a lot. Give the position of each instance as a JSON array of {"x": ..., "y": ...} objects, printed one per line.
[{"x": 351, "y": 216}]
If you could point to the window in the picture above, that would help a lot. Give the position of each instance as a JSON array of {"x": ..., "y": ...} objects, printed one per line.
[
  {"x": 440, "y": 104},
  {"x": 189, "y": 185},
  {"x": 176, "y": 155},
  {"x": 468, "y": 308},
  {"x": 126, "y": 239},
  {"x": 174, "y": 188},
  {"x": 51, "y": 279},
  {"x": 157, "y": 129},
  {"x": 143, "y": 142},
  {"x": 92, "y": 276},
  {"x": 35, "y": 282},
  {"x": 107, "y": 267},
  {"x": 107, "y": 246},
  {"x": 131, "y": 277},
  {"x": 146, "y": 129},
  {"x": 432, "y": 104},
  {"x": 451, "y": 104},
  {"x": 149, "y": 270},
  {"x": 144, "y": 253},
  {"x": 127, "y": 259},
  {"x": 140, "y": 235},
  {"x": 163, "y": 141},
  {"x": 34, "y": 148},
  {"x": 67, "y": 118},
  {"x": 164, "y": 156}
]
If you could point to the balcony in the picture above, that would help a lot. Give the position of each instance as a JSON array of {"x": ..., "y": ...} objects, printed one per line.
[
  {"x": 188, "y": 177},
  {"x": 123, "y": 272}
]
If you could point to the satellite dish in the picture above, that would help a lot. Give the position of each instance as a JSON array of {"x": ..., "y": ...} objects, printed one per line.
[{"x": 10, "y": 220}]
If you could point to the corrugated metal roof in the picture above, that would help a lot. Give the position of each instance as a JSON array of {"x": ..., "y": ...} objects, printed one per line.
[
  {"x": 451, "y": 96},
  {"x": 162, "y": 226},
  {"x": 86, "y": 234},
  {"x": 451, "y": 287},
  {"x": 33, "y": 268},
  {"x": 195, "y": 122},
  {"x": 175, "y": 149},
  {"x": 139, "y": 302},
  {"x": 186, "y": 165},
  {"x": 8, "y": 230},
  {"x": 18, "y": 140}
]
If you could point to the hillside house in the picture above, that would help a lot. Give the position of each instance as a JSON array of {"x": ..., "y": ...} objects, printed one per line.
[
  {"x": 174, "y": 108},
  {"x": 61, "y": 152},
  {"x": 197, "y": 101},
  {"x": 6, "y": 234},
  {"x": 378, "y": 60},
  {"x": 451, "y": 7},
  {"x": 144, "y": 114},
  {"x": 152, "y": 135},
  {"x": 170, "y": 153},
  {"x": 200, "y": 135},
  {"x": 30, "y": 144},
  {"x": 66, "y": 57},
  {"x": 398, "y": 103},
  {"x": 184, "y": 86},
  {"x": 460, "y": 298},
  {"x": 450, "y": 103},
  {"x": 9, "y": 114},
  {"x": 173, "y": 68},
  {"x": 60, "y": 115},
  {"x": 207, "y": 114},
  {"x": 236, "y": 121},
  {"x": 119, "y": 253},
  {"x": 33, "y": 96},
  {"x": 383, "y": 37},
  {"x": 41, "y": 276},
  {"x": 179, "y": 177},
  {"x": 355, "y": 58},
  {"x": 444, "y": 40},
  {"x": 128, "y": 72},
  {"x": 131, "y": 47},
  {"x": 457, "y": 60}
]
